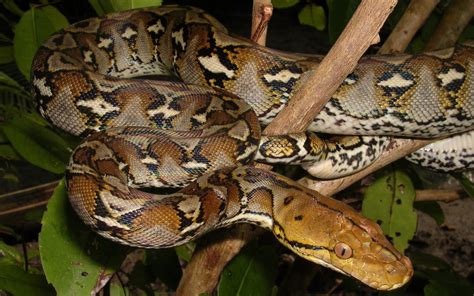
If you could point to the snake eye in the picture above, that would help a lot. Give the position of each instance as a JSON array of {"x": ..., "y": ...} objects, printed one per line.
[{"x": 343, "y": 251}]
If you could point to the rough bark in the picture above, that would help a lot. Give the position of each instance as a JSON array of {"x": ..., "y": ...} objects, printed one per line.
[
  {"x": 413, "y": 18},
  {"x": 456, "y": 17}
]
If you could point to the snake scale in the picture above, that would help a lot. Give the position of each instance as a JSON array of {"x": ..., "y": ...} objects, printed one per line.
[{"x": 205, "y": 134}]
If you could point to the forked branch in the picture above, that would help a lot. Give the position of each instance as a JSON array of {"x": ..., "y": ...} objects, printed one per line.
[{"x": 360, "y": 33}]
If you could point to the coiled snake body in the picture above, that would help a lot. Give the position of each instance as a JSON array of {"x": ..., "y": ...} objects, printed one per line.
[{"x": 148, "y": 133}]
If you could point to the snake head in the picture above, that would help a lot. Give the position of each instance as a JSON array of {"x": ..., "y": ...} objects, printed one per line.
[{"x": 332, "y": 234}]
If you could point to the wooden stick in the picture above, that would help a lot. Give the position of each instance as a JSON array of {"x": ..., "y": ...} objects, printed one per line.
[
  {"x": 413, "y": 18},
  {"x": 361, "y": 32},
  {"x": 437, "y": 195},
  {"x": 456, "y": 17},
  {"x": 262, "y": 12},
  {"x": 14, "y": 203}
]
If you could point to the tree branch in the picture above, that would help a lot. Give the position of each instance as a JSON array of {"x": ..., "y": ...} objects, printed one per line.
[
  {"x": 413, "y": 18},
  {"x": 361, "y": 32},
  {"x": 262, "y": 12},
  {"x": 456, "y": 17}
]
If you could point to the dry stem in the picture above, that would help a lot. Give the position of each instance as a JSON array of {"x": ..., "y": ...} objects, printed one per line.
[{"x": 437, "y": 195}]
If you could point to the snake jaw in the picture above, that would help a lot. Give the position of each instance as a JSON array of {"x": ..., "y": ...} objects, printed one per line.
[{"x": 338, "y": 238}]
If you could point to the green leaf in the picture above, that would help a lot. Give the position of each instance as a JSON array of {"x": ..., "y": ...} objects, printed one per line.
[
  {"x": 119, "y": 5},
  {"x": 6, "y": 54},
  {"x": 185, "y": 252},
  {"x": 433, "y": 289},
  {"x": 99, "y": 8},
  {"x": 75, "y": 260},
  {"x": 284, "y": 3},
  {"x": 37, "y": 144},
  {"x": 16, "y": 281},
  {"x": 340, "y": 12},
  {"x": 425, "y": 261},
  {"x": 439, "y": 275},
  {"x": 12, "y": 95},
  {"x": 252, "y": 272},
  {"x": 12, "y": 7},
  {"x": 466, "y": 184},
  {"x": 431, "y": 208},
  {"x": 314, "y": 16},
  {"x": 10, "y": 254},
  {"x": 7, "y": 152},
  {"x": 389, "y": 202},
  {"x": 32, "y": 30},
  {"x": 118, "y": 290}
]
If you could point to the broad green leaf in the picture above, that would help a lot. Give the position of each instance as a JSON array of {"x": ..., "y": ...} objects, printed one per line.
[
  {"x": 10, "y": 254},
  {"x": 251, "y": 272},
  {"x": 101, "y": 7},
  {"x": 185, "y": 252},
  {"x": 32, "y": 30},
  {"x": 340, "y": 12},
  {"x": 118, "y": 290},
  {"x": 431, "y": 208},
  {"x": 6, "y": 54},
  {"x": 7, "y": 80},
  {"x": 284, "y": 3},
  {"x": 314, "y": 16},
  {"x": 16, "y": 281},
  {"x": 12, "y": 94},
  {"x": 434, "y": 289},
  {"x": 119, "y": 5},
  {"x": 12, "y": 7},
  {"x": 448, "y": 280},
  {"x": 37, "y": 144},
  {"x": 7, "y": 152},
  {"x": 165, "y": 266},
  {"x": 389, "y": 202},
  {"x": 425, "y": 261},
  {"x": 74, "y": 258},
  {"x": 466, "y": 184},
  {"x": 440, "y": 275}
]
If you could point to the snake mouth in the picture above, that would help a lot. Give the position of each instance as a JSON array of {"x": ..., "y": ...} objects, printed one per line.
[{"x": 399, "y": 280}]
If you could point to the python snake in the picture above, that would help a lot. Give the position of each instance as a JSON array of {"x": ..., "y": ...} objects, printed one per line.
[{"x": 201, "y": 135}]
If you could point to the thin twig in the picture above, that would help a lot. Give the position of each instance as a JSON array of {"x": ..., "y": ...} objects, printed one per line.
[
  {"x": 437, "y": 195},
  {"x": 13, "y": 203}
]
